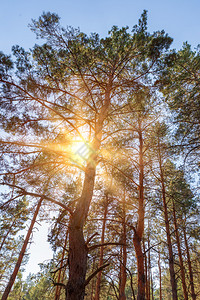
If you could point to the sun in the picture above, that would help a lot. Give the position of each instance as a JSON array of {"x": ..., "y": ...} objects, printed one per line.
[{"x": 80, "y": 151}]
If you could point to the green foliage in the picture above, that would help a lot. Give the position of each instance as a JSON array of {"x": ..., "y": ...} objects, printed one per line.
[
  {"x": 53, "y": 93},
  {"x": 179, "y": 83}
]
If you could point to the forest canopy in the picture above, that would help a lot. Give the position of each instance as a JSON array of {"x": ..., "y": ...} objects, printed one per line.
[{"x": 100, "y": 138}]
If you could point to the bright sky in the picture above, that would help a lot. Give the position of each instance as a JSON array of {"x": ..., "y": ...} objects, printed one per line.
[{"x": 179, "y": 18}]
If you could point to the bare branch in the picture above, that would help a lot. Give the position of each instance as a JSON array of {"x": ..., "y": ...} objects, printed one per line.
[{"x": 95, "y": 273}]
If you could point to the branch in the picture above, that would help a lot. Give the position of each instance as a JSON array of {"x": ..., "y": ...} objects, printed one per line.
[
  {"x": 152, "y": 247},
  {"x": 105, "y": 244},
  {"x": 59, "y": 284},
  {"x": 24, "y": 192},
  {"x": 94, "y": 273},
  {"x": 91, "y": 237},
  {"x": 53, "y": 272}
]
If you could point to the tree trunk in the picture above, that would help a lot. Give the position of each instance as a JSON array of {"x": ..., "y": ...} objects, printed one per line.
[
  {"x": 169, "y": 243},
  {"x": 78, "y": 251},
  {"x": 92, "y": 296},
  {"x": 58, "y": 288},
  {"x": 185, "y": 293},
  {"x": 138, "y": 232},
  {"x": 22, "y": 252},
  {"x": 146, "y": 269},
  {"x": 123, "y": 275},
  {"x": 193, "y": 295},
  {"x": 140, "y": 268},
  {"x": 149, "y": 267},
  {"x": 98, "y": 282},
  {"x": 75, "y": 289},
  {"x": 5, "y": 237},
  {"x": 160, "y": 277},
  {"x": 152, "y": 290}
]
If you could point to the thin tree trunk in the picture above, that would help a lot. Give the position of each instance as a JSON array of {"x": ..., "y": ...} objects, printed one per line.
[
  {"x": 123, "y": 275},
  {"x": 185, "y": 293},
  {"x": 149, "y": 268},
  {"x": 138, "y": 232},
  {"x": 146, "y": 268},
  {"x": 193, "y": 295},
  {"x": 58, "y": 287},
  {"x": 22, "y": 252},
  {"x": 93, "y": 281},
  {"x": 169, "y": 243},
  {"x": 78, "y": 251},
  {"x": 98, "y": 282},
  {"x": 160, "y": 277},
  {"x": 152, "y": 291},
  {"x": 9, "y": 230}
]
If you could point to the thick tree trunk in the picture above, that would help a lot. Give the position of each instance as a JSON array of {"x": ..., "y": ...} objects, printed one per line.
[
  {"x": 98, "y": 282},
  {"x": 193, "y": 295},
  {"x": 169, "y": 243},
  {"x": 22, "y": 252},
  {"x": 140, "y": 268},
  {"x": 123, "y": 275},
  {"x": 185, "y": 293},
  {"x": 75, "y": 288}
]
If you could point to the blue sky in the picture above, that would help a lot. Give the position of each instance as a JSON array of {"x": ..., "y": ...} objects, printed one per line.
[{"x": 180, "y": 19}]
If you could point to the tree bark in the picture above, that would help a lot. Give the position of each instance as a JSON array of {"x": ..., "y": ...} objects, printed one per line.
[
  {"x": 21, "y": 255},
  {"x": 185, "y": 293},
  {"x": 152, "y": 290},
  {"x": 123, "y": 275},
  {"x": 138, "y": 232},
  {"x": 140, "y": 267},
  {"x": 98, "y": 282},
  {"x": 169, "y": 243},
  {"x": 193, "y": 295},
  {"x": 78, "y": 251},
  {"x": 75, "y": 289},
  {"x": 160, "y": 277},
  {"x": 147, "y": 286},
  {"x": 58, "y": 287}
]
